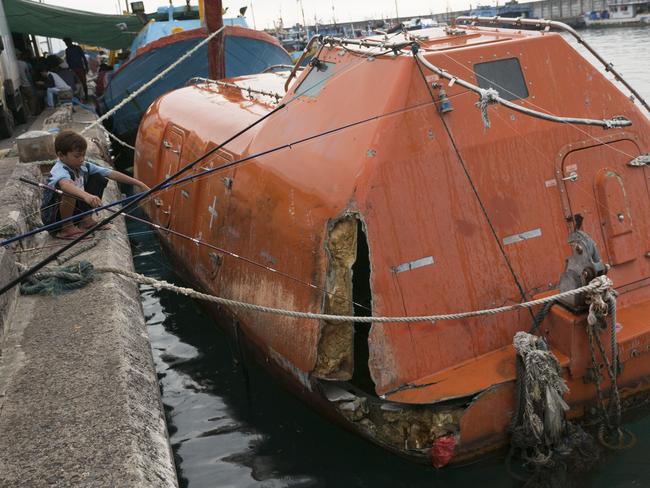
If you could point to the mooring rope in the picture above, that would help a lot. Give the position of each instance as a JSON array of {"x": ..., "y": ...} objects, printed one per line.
[
  {"x": 154, "y": 79},
  {"x": 598, "y": 284},
  {"x": 115, "y": 138}
]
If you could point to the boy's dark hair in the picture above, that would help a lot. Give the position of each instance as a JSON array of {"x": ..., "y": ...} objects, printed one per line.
[{"x": 69, "y": 140}]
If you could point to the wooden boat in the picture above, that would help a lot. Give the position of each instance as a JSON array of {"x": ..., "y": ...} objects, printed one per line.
[
  {"x": 161, "y": 43},
  {"x": 390, "y": 196}
]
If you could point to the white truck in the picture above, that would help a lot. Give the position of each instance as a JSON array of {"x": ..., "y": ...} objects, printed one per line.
[{"x": 11, "y": 101}]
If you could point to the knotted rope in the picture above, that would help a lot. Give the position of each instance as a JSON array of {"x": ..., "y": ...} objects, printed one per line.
[
  {"x": 540, "y": 421},
  {"x": 602, "y": 303},
  {"x": 487, "y": 97},
  {"x": 549, "y": 446}
]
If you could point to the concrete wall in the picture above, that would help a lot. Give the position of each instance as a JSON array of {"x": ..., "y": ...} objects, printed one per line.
[{"x": 79, "y": 397}]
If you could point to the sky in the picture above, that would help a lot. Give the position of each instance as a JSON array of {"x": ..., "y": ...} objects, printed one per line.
[{"x": 263, "y": 13}]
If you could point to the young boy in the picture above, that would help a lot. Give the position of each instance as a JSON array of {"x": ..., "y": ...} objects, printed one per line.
[{"x": 77, "y": 178}]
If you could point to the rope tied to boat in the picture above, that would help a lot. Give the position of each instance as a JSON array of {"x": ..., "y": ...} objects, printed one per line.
[
  {"x": 547, "y": 444},
  {"x": 598, "y": 299},
  {"x": 602, "y": 304},
  {"x": 487, "y": 97},
  {"x": 540, "y": 423},
  {"x": 164, "y": 285}
]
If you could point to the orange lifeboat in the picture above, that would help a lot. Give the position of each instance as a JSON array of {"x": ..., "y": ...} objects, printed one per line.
[{"x": 379, "y": 188}]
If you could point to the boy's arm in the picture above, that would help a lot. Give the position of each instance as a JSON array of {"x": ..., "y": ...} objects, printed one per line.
[
  {"x": 69, "y": 187},
  {"x": 126, "y": 179}
]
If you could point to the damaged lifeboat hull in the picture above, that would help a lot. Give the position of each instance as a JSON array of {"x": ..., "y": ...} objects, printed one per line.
[{"x": 381, "y": 202}]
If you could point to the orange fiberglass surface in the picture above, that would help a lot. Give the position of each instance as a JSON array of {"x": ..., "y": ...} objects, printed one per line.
[{"x": 380, "y": 187}]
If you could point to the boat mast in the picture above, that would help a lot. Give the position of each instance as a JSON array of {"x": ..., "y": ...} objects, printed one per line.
[{"x": 213, "y": 20}]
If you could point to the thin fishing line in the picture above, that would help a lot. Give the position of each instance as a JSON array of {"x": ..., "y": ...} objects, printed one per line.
[
  {"x": 24, "y": 218},
  {"x": 49, "y": 246},
  {"x": 134, "y": 203},
  {"x": 473, "y": 187},
  {"x": 525, "y": 139},
  {"x": 211, "y": 246}
]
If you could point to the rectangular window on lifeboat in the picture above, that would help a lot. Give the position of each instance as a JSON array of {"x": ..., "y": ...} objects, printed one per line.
[
  {"x": 316, "y": 79},
  {"x": 504, "y": 75}
]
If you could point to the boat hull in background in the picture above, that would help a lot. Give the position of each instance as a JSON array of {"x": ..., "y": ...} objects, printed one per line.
[{"x": 246, "y": 52}]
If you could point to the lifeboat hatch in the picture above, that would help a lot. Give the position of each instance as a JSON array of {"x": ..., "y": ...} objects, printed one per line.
[
  {"x": 169, "y": 159},
  {"x": 343, "y": 347},
  {"x": 612, "y": 199}
]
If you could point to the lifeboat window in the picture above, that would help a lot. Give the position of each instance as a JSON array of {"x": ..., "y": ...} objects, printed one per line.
[
  {"x": 504, "y": 75},
  {"x": 316, "y": 79}
]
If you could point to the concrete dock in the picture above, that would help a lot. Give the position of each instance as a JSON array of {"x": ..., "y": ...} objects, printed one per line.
[{"x": 79, "y": 397}]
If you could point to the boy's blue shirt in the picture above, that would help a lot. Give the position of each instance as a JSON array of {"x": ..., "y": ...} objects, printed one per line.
[{"x": 60, "y": 171}]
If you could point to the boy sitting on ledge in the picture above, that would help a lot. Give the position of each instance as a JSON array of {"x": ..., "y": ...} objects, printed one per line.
[{"x": 82, "y": 181}]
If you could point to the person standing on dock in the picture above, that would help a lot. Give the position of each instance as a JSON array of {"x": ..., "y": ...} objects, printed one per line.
[
  {"x": 77, "y": 62},
  {"x": 82, "y": 183}
]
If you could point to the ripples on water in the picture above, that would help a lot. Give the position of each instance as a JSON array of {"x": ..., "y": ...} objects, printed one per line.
[
  {"x": 225, "y": 433},
  {"x": 627, "y": 48}
]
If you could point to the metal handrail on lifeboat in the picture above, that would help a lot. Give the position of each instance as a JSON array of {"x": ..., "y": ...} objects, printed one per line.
[
  {"x": 492, "y": 96},
  {"x": 274, "y": 67},
  {"x": 547, "y": 25},
  {"x": 300, "y": 60}
]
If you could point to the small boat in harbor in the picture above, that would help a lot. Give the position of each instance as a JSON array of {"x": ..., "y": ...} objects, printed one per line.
[
  {"x": 455, "y": 169},
  {"x": 619, "y": 14},
  {"x": 160, "y": 43}
]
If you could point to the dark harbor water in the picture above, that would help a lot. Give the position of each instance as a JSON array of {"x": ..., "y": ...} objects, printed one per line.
[{"x": 231, "y": 425}]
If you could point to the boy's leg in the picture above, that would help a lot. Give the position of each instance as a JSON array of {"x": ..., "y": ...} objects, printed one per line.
[
  {"x": 95, "y": 185},
  {"x": 67, "y": 208}
]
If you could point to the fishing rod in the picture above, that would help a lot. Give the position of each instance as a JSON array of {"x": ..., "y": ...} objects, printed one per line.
[
  {"x": 162, "y": 185},
  {"x": 58, "y": 223},
  {"x": 288, "y": 145},
  {"x": 133, "y": 203},
  {"x": 207, "y": 172},
  {"x": 198, "y": 242}
]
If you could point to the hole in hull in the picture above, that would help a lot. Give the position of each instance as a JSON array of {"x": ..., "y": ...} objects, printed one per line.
[
  {"x": 362, "y": 297},
  {"x": 343, "y": 350}
]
